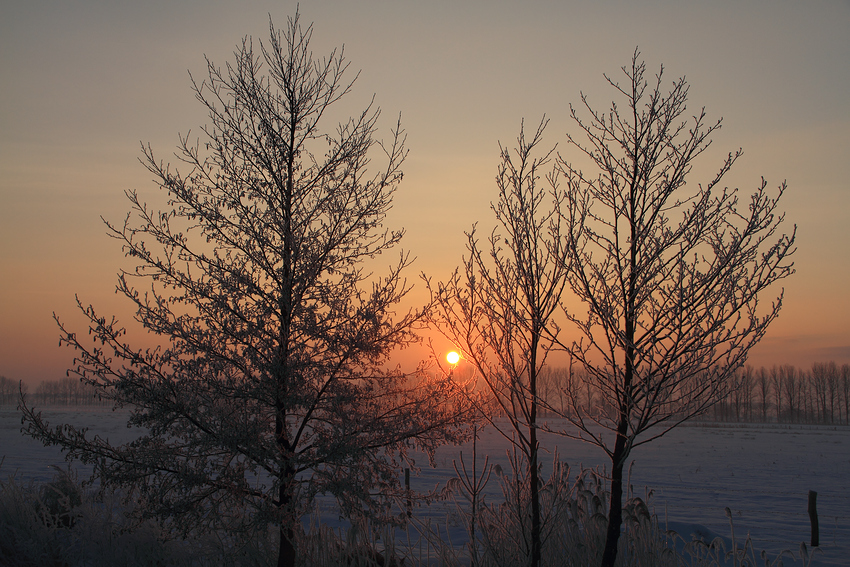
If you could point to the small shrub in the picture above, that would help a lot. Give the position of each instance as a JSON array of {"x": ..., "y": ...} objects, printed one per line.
[{"x": 60, "y": 499}]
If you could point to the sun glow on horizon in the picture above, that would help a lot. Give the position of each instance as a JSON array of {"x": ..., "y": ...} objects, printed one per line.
[{"x": 453, "y": 357}]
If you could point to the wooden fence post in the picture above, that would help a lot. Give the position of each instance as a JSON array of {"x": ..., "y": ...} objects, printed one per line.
[{"x": 813, "y": 517}]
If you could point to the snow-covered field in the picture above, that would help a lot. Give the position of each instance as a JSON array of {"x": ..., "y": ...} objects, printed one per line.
[{"x": 761, "y": 472}]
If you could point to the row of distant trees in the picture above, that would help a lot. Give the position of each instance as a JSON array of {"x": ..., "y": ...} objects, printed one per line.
[
  {"x": 64, "y": 392},
  {"x": 779, "y": 394},
  {"x": 787, "y": 394}
]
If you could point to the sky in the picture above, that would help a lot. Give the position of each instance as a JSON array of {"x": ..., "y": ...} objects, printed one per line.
[{"x": 84, "y": 82}]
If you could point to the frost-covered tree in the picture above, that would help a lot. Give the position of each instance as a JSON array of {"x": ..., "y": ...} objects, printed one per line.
[
  {"x": 498, "y": 309},
  {"x": 272, "y": 382},
  {"x": 668, "y": 275}
]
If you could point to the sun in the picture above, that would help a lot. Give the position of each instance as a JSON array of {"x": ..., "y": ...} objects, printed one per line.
[{"x": 453, "y": 357}]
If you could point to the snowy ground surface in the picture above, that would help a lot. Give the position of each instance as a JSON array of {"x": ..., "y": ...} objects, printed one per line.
[{"x": 762, "y": 472}]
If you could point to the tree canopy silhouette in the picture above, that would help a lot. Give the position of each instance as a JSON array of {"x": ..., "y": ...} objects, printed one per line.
[
  {"x": 273, "y": 384},
  {"x": 499, "y": 307},
  {"x": 668, "y": 274}
]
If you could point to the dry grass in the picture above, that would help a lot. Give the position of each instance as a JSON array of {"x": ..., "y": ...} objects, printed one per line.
[{"x": 61, "y": 524}]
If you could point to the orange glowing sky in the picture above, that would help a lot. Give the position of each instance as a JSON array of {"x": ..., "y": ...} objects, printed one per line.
[{"x": 84, "y": 82}]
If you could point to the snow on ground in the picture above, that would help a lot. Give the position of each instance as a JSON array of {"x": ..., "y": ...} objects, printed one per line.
[{"x": 762, "y": 472}]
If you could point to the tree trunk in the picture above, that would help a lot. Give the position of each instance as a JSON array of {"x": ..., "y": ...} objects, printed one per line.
[
  {"x": 286, "y": 551},
  {"x": 535, "y": 500},
  {"x": 286, "y": 500},
  {"x": 615, "y": 511},
  {"x": 532, "y": 438}
]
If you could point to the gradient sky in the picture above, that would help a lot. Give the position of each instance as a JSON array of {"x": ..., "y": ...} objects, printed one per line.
[{"x": 82, "y": 82}]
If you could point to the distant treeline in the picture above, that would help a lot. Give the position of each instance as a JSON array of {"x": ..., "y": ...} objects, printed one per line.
[
  {"x": 787, "y": 394},
  {"x": 780, "y": 394},
  {"x": 64, "y": 392}
]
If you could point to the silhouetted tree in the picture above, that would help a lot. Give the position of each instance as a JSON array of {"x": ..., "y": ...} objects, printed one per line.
[
  {"x": 273, "y": 384},
  {"x": 498, "y": 309},
  {"x": 845, "y": 390},
  {"x": 806, "y": 398},
  {"x": 818, "y": 382},
  {"x": 791, "y": 389},
  {"x": 825, "y": 378},
  {"x": 763, "y": 389},
  {"x": 742, "y": 390},
  {"x": 669, "y": 275},
  {"x": 777, "y": 381},
  {"x": 9, "y": 390},
  {"x": 832, "y": 380}
]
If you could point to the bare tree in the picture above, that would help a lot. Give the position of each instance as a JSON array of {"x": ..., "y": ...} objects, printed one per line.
[
  {"x": 825, "y": 376},
  {"x": 791, "y": 389},
  {"x": 748, "y": 386},
  {"x": 499, "y": 309},
  {"x": 9, "y": 390},
  {"x": 763, "y": 389},
  {"x": 273, "y": 384},
  {"x": 777, "y": 381},
  {"x": 669, "y": 275},
  {"x": 557, "y": 381},
  {"x": 741, "y": 392},
  {"x": 818, "y": 379},
  {"x": 806, "y": 398},
  {"x": 832, "y": 378},
  {"x": 845, "y": 390}
]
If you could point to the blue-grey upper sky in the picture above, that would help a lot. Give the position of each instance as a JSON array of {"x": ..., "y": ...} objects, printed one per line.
[{"x": 83, "y": 82}]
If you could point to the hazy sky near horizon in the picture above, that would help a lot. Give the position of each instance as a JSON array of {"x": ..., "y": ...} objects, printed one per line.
[{"x": 83, "y": 82}]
